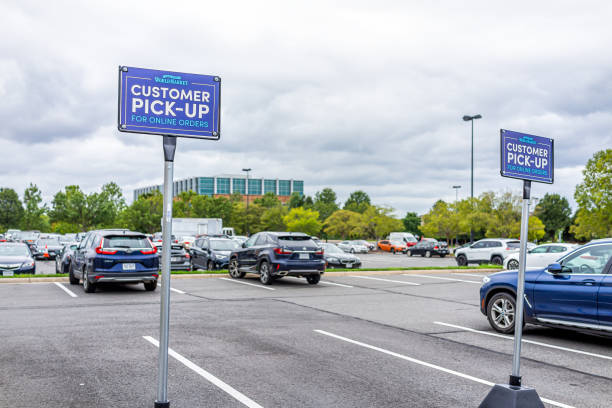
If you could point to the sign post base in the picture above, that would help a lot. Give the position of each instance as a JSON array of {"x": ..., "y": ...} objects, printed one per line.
[
  {"x": 509, "y": 396},
  {"x": 162, "y": 404}
]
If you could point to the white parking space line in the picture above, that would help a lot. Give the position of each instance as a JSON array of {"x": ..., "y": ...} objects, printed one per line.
[
  {"x": 65, "y": 289},
  {"x": 208, "y": 376},
  {"x": 173, "y": 289},
  {"x": 438, "y": 277},
  {"x": 426, "y": 364},
  {"x": 246, "y": 283},
  {"x": 471, "y": 274},
  {"x": 538, "y": 343},
  {"x": 387, "y": 280},
  {"x": 335, "y": 284}
]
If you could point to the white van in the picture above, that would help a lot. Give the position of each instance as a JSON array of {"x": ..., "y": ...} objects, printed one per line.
[{"x": 404, "y": 237}]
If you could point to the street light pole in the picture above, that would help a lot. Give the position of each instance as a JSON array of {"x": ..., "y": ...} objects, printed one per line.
[
  {"x": 471, "y": 119},
  {"x": 456, "y": 192},
  {"x": 246, "y": 190}
]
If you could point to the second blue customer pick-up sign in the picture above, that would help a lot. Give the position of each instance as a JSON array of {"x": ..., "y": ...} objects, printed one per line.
[
  {"x": 527, "y": 157},
  {"x": 169, "y": 103}
]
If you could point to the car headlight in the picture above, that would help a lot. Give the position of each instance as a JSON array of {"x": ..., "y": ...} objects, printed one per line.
[
  {"x": 332, "y": 259},
  {"x": 220, "y": 256},
  {"x": 486, "y": 279},
  {"x": 28, "y": 264}
]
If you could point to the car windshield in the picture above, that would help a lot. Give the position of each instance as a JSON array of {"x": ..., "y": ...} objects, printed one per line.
[
  {"x": 223, "y": 244},
  {"x": 137, "y": 242},
  {"x": 47, "y": 241},
  {"x": 28, "y": 236},
  {"x": 294, "y": 238},
  {"x": 332, "y": 249},
  {"x": 396, "y": 243},
  {"x": 14, "y": 250}
]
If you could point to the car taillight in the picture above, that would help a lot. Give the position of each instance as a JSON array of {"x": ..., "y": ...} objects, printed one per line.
[
  {"x": 101, "y": 251},
  {"x": 282, "y": 251},
  {"x": 152, "y": 251},
  {"x": 319, "y": 252},
  {"x": 187, "y": 256},
  {"x": 436, "y": 247}
]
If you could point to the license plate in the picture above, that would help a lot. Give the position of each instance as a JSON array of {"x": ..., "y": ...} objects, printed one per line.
[
  {"x": 8, "y": 273},
  {"x": 176, "y": 259},
  {"x": 304, "y": 256},
  {"x": 129, "y": 266},
  {"x": 349, "y": 265}
]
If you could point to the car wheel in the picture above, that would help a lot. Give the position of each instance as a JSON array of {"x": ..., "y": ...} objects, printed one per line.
[
  {"x": 73, "y": 280},
  {"x": 352, "y": 251},
  {"x": 393, "y": 251},
  {"x": 264, "y": 273},
  {"x": 513, "y": 264},
  {"x": 442, "y": 255},
  {"x": 150, "y": 286},
  {"x": 57, "y": 268},
  {"x": 210, "y": 266},
  {"x": 313, "y": 279},
  {"x": 428, "y": 254},
  {"x": 462, "y": 260},
  {"x": 192, "y": 266},
  {"x": 233, "y": 269},
  {"x": 497, "y": 260},
  {"x": 88, "y": 286},
  {"x": 501, "y": 312},
  {"x": 409, "y": 253}
]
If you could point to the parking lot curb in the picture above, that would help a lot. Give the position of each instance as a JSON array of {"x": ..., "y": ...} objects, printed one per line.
[{"x": 356, "y": 272}]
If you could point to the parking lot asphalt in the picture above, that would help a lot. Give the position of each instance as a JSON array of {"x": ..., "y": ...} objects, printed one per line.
[{"x": 351, "y": 341}]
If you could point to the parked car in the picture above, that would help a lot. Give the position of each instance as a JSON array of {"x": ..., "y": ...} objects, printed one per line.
[
  {"x": 353, "y": 247},
  {"x": 367, "y": 244},
  {"x": 15, "y": 257},
  {"x": 490, "y": 250},
  {"x": 540, "y": 256},
  {"x": 64, "y": 257},
  {"x": 273, "y": 255},
  {"x": 212, "y": 253},
  {"x": 429, "y": 248},
  {"x": 405, "y": 238},
  {"x": 467, "y": 244},
  {"x": 47, "y": 248},
  {"x": 11, "y": 234},
  {"x": 337, "y": 258},
  {"x": 180, "y": 258},
  {"x": 119, "y": 256},
  {"x": 239, "y": 238},
  {"x": 67, "y": 239},
  {"x": 392, "y": 246},
  {"x": 28, "y": 237},
  {"x": 573, "y": 293},
  {"x": 186, "y": 241}
]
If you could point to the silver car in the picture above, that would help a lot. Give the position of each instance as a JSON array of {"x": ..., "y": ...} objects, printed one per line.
[{"x": 353, "y": 247}]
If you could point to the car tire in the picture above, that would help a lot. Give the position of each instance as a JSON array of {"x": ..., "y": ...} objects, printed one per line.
[
  {"x": 265, "y": 276},
  {"x": 442, "y": 255},
  {"x": 462, "y": 260},
  {"x": 233, "y": 269},
  {"x": 513, "y": 264},
  {"x": 393, "y": 251},
  {"x": 409, "y": 253},
  {"x": 313, "y": 279},
  {"x": 501, "y": 312},
  {"x": 192, "y": 266},
  {"x": 352, "y": 251},
  {"x": 150, "y": 286},
  {"x": 210, "y": 266},
  {"x": 88, "y": 286},
  {"x": 428, "y": 254},
  {"x": 73, "y": 279},
  {"x": 57, "y": 269},
  {"x": 497, "y": 260}
]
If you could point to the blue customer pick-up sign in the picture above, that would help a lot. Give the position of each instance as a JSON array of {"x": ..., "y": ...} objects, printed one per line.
[
  {"x": 527, "y": 157},
  {"x": 169, "y": 103}
]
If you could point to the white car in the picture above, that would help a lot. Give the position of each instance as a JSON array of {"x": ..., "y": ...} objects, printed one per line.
[
  {"x": 489, "y": 250},
  {"x": 539, "y": 257},
  {"x": 353, "y": 247}
]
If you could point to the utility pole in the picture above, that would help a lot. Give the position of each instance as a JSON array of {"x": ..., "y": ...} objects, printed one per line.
[
  {"x": 246, "y": 190},
  {"x": 468, "y": 118}
]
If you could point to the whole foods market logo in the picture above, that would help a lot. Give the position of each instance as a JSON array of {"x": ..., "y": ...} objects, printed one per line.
[{"x": 171, "y": 79}]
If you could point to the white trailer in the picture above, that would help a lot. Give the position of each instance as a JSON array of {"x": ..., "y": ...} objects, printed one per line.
[{"x": 182, "y": 227}]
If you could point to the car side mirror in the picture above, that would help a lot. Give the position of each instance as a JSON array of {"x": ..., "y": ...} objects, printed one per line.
[
  {"x": 243, "y": 245},
  {"x": 554, "y": 268}
]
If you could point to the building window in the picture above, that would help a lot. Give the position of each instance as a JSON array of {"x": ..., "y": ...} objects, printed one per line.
[
  {"x": 207, "y": 186},
  {"x": 255, "y": 186},
  {"x": 284, "y": 187},
  {"x": 298, "y": 187},
  {"x": 270, "y": 186},
  {"x": 239, "y": 185},
  {"x": 223, "y": 186}
]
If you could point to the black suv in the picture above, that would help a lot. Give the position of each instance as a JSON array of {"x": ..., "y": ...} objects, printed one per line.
[
  {"x": 273, "y": 255},
  {"x": 212, "y": 253}
]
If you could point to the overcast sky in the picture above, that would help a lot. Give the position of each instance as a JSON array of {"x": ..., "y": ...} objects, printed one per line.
[{"x": 348, "y": 95}]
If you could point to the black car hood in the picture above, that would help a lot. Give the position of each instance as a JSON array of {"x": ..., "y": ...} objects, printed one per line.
[
  {"x": 342, "y": 257},
  {"x": 4, "y": 259}
]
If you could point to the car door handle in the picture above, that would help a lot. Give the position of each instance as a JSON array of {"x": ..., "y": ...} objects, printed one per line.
[{"x": 588, "y": 282}]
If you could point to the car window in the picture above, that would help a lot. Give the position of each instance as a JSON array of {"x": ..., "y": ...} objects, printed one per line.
[
  {"x": 261, "y": 240},
  {"x": 87, "y": 241},
  {"x": 130, "y": 242},
  {"x": 540, "y": 250},
  {"x": 557, "y": 248},
  {"x": 478, "y": 245},
  {"x": 494, "y": 244},
  {"x": 589, "y": 260},
  {"x": 251, "y": 241}
]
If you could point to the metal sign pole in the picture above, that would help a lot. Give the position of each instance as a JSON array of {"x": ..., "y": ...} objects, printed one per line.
[
  {"x": 515, "y": 377},
  {"x": 164, "y": 320}
]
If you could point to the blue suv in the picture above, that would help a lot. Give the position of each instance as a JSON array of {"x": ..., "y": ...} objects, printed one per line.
[
  {"x": 273, "y": 255},
  {"x": 114, "y": 256},
  {"x": 573, "y": 293}
]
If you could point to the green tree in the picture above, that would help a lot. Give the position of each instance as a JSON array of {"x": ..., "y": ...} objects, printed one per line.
[
  {"x": 325, "y": 203},
  {"x": 272, "y": 218},
  {"x": 358, "y": 201},
  {"x": 296, "y": 200},
  {"x": 303, "y": 220},
  {"x": 412, "y": 222},
  {"x": 441, "y": 221},
  {"x": 594, "y": 198},
  {"x": 554, "y": 211},
  {"x": 377, "y": 222},
  {"x": 343, "y": 224},
  {"x": 144, "y": 215},
  {"x": 506, "y": 213},
  {"x": 34, "y": 214},
  {"x": 11, "y": 209},
  {"x": 268, "y": 200}
]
